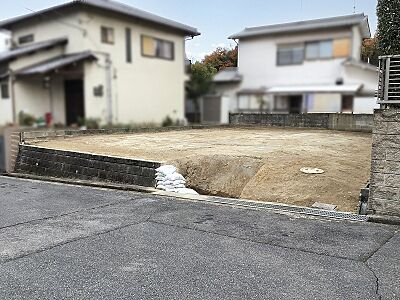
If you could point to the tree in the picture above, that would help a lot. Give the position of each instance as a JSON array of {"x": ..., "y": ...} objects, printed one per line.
[
  {"x": 200, "y": 83},
  {"x": 388, "y": 27},
  {"x": 222, "y": 58},
  {"x": 201, "y": 79},
  {"x": 369, "y": 51}
]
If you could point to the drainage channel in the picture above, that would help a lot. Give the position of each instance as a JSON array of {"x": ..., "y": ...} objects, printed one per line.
[{"x": 287, "y": 208}]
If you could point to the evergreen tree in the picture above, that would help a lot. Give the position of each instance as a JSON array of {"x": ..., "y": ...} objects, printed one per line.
[{"x": 388, "y": 12}]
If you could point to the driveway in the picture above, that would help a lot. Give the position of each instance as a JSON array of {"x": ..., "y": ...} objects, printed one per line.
[{"x": 70, "y": 242}]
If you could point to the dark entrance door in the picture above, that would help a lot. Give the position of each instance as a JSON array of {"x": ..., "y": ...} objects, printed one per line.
[
  {"x": 295, "y": 104},
  {"x": 74, "y": 104}
]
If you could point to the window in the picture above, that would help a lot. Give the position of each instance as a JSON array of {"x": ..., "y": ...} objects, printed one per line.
[
  {"x": 25, "y": 39},
  {"x": 4, "y": 91},
  {"x": 128, "y": 42},
  {"x": 107, "y": 35},
  {"x": 290, "y": 55},
  {"x": 153, "y": 47},
  {"x": 319, "y": 49}
]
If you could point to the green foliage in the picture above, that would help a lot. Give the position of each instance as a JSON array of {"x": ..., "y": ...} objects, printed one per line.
[
  {"x": 90, "y": 123},
  {"x": 200, "y": 81},
  {"x": 26, "y": 119},
  {"x": 388, "y": 27},
  {"x": 167, "y": 122}
]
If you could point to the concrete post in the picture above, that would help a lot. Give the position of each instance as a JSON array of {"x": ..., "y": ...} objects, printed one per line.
[{"x": 385, "y": 168}]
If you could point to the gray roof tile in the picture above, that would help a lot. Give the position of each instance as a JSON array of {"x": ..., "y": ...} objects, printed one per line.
[
  {"x": 109, "y": 5},
  {"x": 309, "y": 25},
  {"x": 31, "y": 48}
]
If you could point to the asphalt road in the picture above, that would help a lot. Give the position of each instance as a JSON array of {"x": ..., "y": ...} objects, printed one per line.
[{"x": 69, "y": 242}]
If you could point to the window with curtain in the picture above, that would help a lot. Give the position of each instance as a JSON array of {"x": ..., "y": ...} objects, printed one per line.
[{"x": 158, "y": 48}]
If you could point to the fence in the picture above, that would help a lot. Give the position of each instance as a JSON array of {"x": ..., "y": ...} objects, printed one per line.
[{"x": 334, "y": 121}]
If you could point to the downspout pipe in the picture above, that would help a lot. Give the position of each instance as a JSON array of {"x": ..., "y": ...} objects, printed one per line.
[{"x": 12, "y": 80}]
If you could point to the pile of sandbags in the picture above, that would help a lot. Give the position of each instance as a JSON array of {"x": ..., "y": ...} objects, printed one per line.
[{"x": 168, "y": 179}]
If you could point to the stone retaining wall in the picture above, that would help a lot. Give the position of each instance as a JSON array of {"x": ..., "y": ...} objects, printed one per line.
[
  {"x": 347, "y": 122},
  {"x": 86, "y": 166},
  {"x": 385, "y": 169}
]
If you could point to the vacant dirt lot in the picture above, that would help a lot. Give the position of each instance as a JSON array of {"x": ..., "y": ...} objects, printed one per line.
[{"x": 260, "y": 164}]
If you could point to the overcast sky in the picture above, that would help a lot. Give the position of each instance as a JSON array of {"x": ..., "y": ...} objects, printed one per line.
[{"x": 217, "y": 19}]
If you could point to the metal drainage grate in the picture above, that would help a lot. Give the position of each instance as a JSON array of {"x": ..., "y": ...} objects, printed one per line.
[{"x": 293, "y": 209}]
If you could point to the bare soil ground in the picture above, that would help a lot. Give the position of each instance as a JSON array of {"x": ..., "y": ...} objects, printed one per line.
[{"x": 260, "y": 164}]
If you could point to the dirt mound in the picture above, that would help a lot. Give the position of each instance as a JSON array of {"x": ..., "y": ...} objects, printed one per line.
[{"x": 218, "y": 174}]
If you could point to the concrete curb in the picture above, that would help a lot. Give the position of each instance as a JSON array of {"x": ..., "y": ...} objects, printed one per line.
[
  {"x": 391, "y": 220},
  {"x": 240, "y": 203}
]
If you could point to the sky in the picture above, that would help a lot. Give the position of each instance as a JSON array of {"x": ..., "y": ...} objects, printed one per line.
[{"x": 217, "y": 19}]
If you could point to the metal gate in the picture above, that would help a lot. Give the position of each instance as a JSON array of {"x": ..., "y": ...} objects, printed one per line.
[
  {"x": 211, "y": 109},
  {"x": 389, "y": 80}
]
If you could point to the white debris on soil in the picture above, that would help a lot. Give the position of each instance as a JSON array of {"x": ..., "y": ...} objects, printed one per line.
[
  {"x": 168, "y": 179},
  {"x": 312, "y": 171}
]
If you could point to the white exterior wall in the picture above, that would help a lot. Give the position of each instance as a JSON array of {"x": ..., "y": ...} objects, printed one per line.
[
  {"x": 58, "y": 26},
  {"x": 258, "y": 62},
  {"x": 34, "y": 99},
  {"x": 145, "y": 90},
  {"x": 364, "y": 105}
]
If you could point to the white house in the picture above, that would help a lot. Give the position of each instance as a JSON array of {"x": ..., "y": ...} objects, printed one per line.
[
  {"x": 301, "y": 67},
  {"x": 95, "y": 59}
]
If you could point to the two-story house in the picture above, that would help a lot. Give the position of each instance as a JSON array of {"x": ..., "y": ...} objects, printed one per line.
[
  {"x": 301, "y": 67},
  {"x": 94, "y": 59}
]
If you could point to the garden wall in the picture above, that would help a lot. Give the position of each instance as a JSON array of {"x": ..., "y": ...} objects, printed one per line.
[
  {"x": 85, "y": 166},
  {"x": 348, "y": 122}
]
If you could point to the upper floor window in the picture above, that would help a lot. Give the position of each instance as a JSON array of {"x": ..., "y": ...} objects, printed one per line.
[
  {"x": 107, "y": 35},
  {"x": 4, "y": 91},
  {"x": 290, "y": 54},
  {"x": 154, "y": 47},
  {"x": 25, "y": 39},
  {"x": 319, "y": 49}
]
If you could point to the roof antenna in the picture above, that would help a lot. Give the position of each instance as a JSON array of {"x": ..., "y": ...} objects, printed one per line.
[{"x": 354, "y": 7}]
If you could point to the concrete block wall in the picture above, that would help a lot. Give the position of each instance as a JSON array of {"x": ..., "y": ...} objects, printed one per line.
[
  {"x": 85, "y": 166},
  {"x": 384, "y": 196},
  {"x": 12, "y": 138},
  {"x": 348, "y": 122}
]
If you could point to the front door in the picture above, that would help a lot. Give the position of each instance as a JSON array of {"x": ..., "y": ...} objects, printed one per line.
[
  {"x": 295, "y": 104},
  {"x": 74, "y": 104}
]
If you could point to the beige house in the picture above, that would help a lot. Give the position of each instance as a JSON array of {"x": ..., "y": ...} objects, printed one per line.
[{"x": 94, "y": 59}]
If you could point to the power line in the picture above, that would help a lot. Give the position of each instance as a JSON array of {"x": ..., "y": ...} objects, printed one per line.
[{"x": 62, "y": 22}]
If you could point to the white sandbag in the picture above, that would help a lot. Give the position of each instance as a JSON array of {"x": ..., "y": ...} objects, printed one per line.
[
  {"x": 179, "y": 182},
  {"x": 179, "y": 186},
  {"x": 161, "y": 187},
  {"x": 186, "y": 191},
  {"x": 175, "y": 176},
  {"x": 167, "y": 169}
]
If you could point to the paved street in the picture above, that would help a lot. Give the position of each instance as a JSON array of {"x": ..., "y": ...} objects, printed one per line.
[{"x": 69, "y": 242}]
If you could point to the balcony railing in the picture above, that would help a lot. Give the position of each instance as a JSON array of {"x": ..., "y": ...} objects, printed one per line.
[{"x": 389, "y": 80}]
